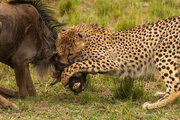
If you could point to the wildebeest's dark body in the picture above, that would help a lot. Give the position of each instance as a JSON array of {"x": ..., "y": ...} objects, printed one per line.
[{"x": 27, "y": 35}]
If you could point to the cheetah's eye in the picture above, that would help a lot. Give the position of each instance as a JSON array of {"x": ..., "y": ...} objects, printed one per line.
[
  {"x": 79, "y": 35},
  {"x": 63, "y": 30}
]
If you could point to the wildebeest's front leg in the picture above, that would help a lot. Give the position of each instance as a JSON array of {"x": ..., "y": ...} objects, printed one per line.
[
  {"x": 22, "y": 77},
  {"x": 8, "y": 93},
  {"x": 5, "y": 103},
  {"x": 20, "y": 60},
  {"x": 23, "y": 80},
  {"x": 89, "y": 66},
  {"x": 29, "y": 84}
]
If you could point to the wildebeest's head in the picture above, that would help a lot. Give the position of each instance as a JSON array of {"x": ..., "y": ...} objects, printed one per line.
[{"x": 77, "y": 82}]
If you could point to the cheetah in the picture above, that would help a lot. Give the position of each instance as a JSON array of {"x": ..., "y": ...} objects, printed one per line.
[{"x": 134, "y": 52}]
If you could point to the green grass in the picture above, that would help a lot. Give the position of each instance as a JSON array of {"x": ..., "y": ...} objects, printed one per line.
[
  {"x": 129, "y": 88},
  {"x": 117, "y": 14},
  {"x": 104, "y": 97}
]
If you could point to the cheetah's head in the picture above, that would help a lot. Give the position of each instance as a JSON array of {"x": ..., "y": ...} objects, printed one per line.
[{"x": 69, "y": 44}]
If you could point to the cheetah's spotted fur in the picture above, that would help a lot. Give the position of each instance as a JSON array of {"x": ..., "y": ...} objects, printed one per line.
[{"x": 133, "y": 52}]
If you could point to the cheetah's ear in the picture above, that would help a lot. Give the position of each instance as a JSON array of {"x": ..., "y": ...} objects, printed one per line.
[{"x": 79, "y": 35}]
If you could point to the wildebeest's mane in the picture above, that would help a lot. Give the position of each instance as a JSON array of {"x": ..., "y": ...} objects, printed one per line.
[{"x": 45, "y": 12}]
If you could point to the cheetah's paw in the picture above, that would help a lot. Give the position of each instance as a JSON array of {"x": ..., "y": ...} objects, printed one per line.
[
  {"x": 159, "y": 94},
  {"x": 146, "y": 105},
  {"x": 64, "y": 79}
]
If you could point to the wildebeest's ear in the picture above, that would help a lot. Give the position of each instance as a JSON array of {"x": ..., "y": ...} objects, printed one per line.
[{"x": 79, "y": 35}]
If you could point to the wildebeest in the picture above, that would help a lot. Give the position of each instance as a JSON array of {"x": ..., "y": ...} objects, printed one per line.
[{"x": 27, "y": 35}]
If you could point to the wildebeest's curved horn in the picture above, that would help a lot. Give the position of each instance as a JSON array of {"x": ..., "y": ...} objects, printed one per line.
[{"x": 54, "y": 82}]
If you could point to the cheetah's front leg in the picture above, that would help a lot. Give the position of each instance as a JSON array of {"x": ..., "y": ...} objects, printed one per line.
[{"x": 89, "y": 66}]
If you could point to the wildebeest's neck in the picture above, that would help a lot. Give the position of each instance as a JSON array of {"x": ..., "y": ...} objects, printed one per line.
[
  {"x": 47, "y": 28},
  {"x": 33, "y": 23},
  {"x": 45, "y": 12}
]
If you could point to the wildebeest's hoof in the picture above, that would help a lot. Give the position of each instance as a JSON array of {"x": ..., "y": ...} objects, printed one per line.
[{"x": 18, "y": 111}]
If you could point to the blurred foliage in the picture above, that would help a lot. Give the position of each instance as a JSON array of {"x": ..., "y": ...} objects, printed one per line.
[{"x": 117, "y": 14}]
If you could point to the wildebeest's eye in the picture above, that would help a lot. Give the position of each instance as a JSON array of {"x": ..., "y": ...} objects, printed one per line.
[{"x": 79, "y": 35}]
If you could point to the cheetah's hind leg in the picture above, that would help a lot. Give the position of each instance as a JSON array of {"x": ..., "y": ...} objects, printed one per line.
[
  {"x": 170, "y": 75},
  {"x": 168, "y": 98}
]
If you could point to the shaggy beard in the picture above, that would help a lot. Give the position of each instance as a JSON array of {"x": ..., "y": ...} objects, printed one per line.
[{"x": 42, "y": 68}]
